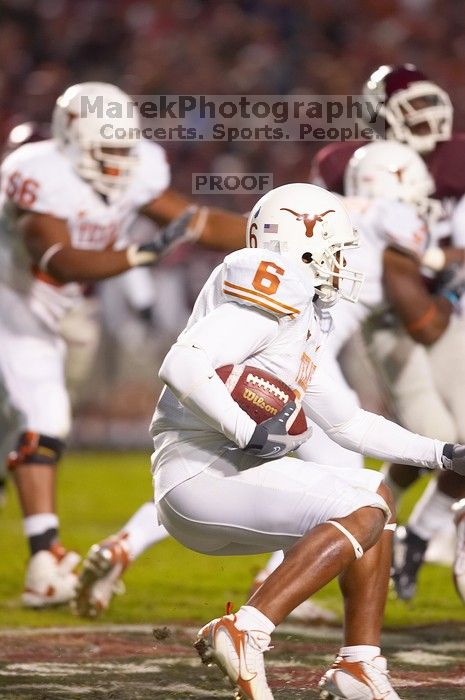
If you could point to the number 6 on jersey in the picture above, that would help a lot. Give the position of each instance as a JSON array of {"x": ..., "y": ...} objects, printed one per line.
[{"x": 266, "y": 278}]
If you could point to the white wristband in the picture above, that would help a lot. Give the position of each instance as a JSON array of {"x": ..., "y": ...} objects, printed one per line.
[
  {"x": 434, "y": 259},
  {"x": 194, "y": 232},
  {"x": 48, "y": 255}
]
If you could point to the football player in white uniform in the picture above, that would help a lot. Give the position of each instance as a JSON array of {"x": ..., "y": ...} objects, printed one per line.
[
  {"x": 414, "y": 110},
  {"x": 390, "y": 212},
  {"x": 224, "y": 485},
  {"x": 384, "y": 223},
  {"x": 66, "y": 204},
  {"x": 439, "y": 403},
  {"x": 426, "y": 338}
]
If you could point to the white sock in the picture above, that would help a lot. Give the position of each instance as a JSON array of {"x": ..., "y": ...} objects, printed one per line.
[
  {"x": 37, "y": 524},
  {"x": 397, "y": 491},
  {"x": 143, "y": 530},
  {"x": 431, "y": 513},
  {"x": 249, "y": 618},
  {"x": 359, "y": 652}
]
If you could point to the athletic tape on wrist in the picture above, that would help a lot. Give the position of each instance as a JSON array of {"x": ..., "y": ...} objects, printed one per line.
[
  {"x": 194, "y": 232},
  {"x": 434, "y": 258},
  {"x": 48, "y": 255},
  {"x": 137, "y": 257},
  {"x": 358, "y": 549}
]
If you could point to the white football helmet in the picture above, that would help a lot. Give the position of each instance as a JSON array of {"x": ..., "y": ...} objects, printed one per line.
[
  {"x": 388, "y": 169},
  {"x": 99, "y": 145},
  {"x": 310, "y": 226},
  {"x": 392, "y": 171}
]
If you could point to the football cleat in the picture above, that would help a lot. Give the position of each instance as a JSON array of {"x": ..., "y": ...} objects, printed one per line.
[
  {"x": 357, "y": 680},
  {"x": 458, "y": 569},
  {"x": 50, "y": 577},
  {"x": 100, "y": 578},
  {"x": 238, "y": 654},
  {"x": 408, "y": 556}
]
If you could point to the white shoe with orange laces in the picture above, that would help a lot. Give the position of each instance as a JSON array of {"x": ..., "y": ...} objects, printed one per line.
[
  {"x": 100, "y": 578},
  {"x": 357, "y": 680},
  {"x": 50, "y": 577},
  {"x": 239, "y": 655},
  {"x": 458, "y": 510}
]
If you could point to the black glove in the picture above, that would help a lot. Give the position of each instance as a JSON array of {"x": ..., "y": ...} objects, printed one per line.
[
  {"x": 453, "y": 458},
  {"x": 271, "y": 440},
  {"x": 175, "y": 233}
]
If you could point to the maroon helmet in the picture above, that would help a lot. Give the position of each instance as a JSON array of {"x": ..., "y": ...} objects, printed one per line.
[{"x": 408, "y": 107}]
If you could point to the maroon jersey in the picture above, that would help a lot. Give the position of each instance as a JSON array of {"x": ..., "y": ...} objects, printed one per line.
[
  {"x": 329, "y": 164},
  {"x": 446, "y": 164}
]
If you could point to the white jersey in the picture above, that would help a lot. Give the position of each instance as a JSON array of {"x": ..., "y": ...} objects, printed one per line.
[
  {"x": 37, "y": 177},
  {"x": 381, "y": 224},
  {"x": 265, "y": 283}
]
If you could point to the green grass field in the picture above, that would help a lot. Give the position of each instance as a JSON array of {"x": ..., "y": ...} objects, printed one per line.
[{"x": 99, "y": 491}]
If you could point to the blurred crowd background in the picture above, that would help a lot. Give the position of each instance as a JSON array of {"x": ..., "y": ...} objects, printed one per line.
[
  {"x": 222, "y": 47},
  {"x": 152, "y": 47}
]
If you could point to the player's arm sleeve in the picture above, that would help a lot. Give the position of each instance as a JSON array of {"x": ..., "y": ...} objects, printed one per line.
[
  {"x": 365, "y": 432},
  {"x": 402, "y": 228},
  {"x": 231, "y": 334}
]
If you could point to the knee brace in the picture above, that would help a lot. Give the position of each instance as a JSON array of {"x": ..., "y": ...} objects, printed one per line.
[
  {"x": 358, "y": 549},
  {"x": 35, "y": 448}
]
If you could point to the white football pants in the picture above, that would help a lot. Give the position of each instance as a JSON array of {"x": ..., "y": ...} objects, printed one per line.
[{"x": 224, "y": 511}]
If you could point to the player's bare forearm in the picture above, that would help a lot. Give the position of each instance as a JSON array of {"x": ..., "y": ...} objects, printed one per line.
[
  {"x": 210, "y": 227},
  {"x": 438, "y": 259},
  {"x": 223, "y": 230},
  {"x": 454, "y": 256},
  {"x": 74, "y": 265},
  {"x": 424, "y": 316},
  {"x": 49, "y": 245}
]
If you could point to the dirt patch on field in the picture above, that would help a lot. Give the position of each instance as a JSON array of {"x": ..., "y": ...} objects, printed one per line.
[{"x": 132, "y": 663}]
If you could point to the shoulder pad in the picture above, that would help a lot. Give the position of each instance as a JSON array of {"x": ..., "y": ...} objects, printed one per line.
[
  {"x": 329, "y": 164},
  {"x": 34, "y": 177},
  {"x": 266, "y": 280},
  {"x": 152, "y": 176}
]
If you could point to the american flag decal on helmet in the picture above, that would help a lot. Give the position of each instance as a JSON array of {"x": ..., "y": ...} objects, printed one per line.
[{"x": 270, "y": 228}]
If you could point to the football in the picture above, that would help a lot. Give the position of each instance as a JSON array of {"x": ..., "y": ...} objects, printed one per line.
[{"x": 260, "y": 394}]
